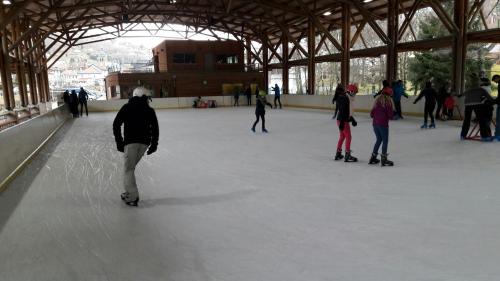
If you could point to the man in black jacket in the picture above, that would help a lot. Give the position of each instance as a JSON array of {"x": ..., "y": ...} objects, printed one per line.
[
  {"x": 82, "y": 99},
  {"x": 141, "y": 132}
]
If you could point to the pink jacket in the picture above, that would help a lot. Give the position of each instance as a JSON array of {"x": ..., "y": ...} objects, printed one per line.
[{"x": 381, "y": 115}]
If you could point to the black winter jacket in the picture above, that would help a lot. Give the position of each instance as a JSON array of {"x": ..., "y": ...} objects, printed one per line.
[
  {"x": 343, "y": 108},
  {"x": 261, "y": 105},
  {"x": 430, "y": 95},
  {"x": 140, "y": 123}
]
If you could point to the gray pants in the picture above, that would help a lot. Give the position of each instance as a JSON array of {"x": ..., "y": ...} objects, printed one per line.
[
  {"x": 133, "y": 154},
  {"x": 497, "y": 128}
]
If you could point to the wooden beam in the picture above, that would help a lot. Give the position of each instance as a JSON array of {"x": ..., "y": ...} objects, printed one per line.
[
  {"x": 345, "y": 64},
  {"x": 485, "y": 36},
  {"x": 13, "y": 12},
  {"x": 65, "y": 16},
  {"x": 356, "y": 35},
  {"x": 286, "y": 69},
  {"x": 408, "y": 18},
  {"x": 311, "y": 65},
  {"x": 443, "y": 16},
  {"x": 318, "y": 24},
  {"x": 392, "y": 32},
  {"x": 459, "y": 46}
]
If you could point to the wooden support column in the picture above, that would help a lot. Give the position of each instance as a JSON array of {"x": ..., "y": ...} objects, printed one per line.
[
  {"x": 311, "y": 49},
  {"x": 265, "y": 60},
  {"x": 20, "y": 74},
  {"x": 286, "y": 69},
  {"x": 248, "y": 43},
  {"x": 31, "y": 73},
  {"x": 345, "y": 67},
  {"x": 459, "y": 46},
  {"x": 38, "y": 73},
  {"x": 8, "y": 87},
  {"x": 45, "y": 75},
  {"x": 3, "y": 77},
  {"x": 41, "y": 94},
  {"x": 392, "y": 33}
]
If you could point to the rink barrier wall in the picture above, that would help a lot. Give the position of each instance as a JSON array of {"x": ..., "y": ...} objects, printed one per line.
[
  {"x": 20, "y": 143},
  {"x": 362, "y": 103},
  {"x": 165, "y": 103}
]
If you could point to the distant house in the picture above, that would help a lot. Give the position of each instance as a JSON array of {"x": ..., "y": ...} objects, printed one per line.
[
  {"x": 91, "y": 75},
  {"x": 69, "y": 76},
  {"x": 185, "y": 68}
]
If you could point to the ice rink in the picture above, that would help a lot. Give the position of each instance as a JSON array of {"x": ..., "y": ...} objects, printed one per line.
[{"x": 221, "y": 203}]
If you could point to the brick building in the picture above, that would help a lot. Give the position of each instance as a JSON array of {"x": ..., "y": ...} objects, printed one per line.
[{"x": 189, "y": 69}]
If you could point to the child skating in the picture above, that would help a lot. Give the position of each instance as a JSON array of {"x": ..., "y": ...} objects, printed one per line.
[
  {"x": 260, "y": 110},
  {"x": 382, "y": 111},
  {"x": 343, "y": 119},
  {"x": 430, "y": 102}
]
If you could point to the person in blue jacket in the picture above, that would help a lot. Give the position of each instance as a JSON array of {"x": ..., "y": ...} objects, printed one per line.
[
  {"x": 277, "y": 95},
  {"x": 398, "y": 91}
]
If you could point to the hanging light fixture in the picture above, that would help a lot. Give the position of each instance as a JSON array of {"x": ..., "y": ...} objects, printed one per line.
[{"x": 6, "y": 2}]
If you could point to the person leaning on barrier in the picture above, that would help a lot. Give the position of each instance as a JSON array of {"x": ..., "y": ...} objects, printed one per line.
[
  {"x": 479, "y": 101},
  {"x": 140, "y": 135},
  {"x": 82, "y": 99}
]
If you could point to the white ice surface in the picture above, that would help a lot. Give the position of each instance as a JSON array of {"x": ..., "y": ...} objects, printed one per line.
[{"x": 222, "y": 203}]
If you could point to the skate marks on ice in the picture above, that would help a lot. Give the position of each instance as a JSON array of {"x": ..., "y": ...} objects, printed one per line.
[
  {"x": 229, "y": 206},
  {"x": 10, "y": 198},
  {"x": 197, "y": 200}
]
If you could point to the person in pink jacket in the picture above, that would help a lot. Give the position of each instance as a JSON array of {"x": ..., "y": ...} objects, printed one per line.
[{"x": 382, "y": 112}]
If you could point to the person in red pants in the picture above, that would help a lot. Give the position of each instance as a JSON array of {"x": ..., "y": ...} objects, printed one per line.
[{"x": 343, "y": 119}]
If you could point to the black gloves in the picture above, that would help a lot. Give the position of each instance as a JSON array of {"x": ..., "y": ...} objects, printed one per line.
[
  {"x": 120, "y": 146},
  {"x": 152, "y": 149},
  {"x": 341, "y": 125},
  {"x": 353, "y": 121}
]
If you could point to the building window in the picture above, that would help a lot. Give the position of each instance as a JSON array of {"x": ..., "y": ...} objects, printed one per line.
[
  {"x": 184, "y": 58},
  {"x": 227, "y": 59}
]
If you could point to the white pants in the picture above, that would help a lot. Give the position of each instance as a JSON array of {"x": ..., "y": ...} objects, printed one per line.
[{"x": 133, "y": 154}]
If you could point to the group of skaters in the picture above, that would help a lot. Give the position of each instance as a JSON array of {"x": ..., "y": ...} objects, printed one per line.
[
  {"x": 248, "y": 94},
  {"x": 382, "y": 111},
  {"x": 387, "y": 106},
  {"x": 141, "y": 131},
  {"x": 73, "y": 100}
]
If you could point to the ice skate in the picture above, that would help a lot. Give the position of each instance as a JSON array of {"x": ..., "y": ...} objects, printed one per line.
[
  {"x": 424, "y": 126},
  {"x": 373, "y": 159},
  {"x": 124, "y": 196},
  {"x": 432, "y": 126},
  {"x": 132, "y": 203},
  {"x": 264, "y": 131},
  {"x": 338, "y": 155},
  {"x": 253, "y": 129},
  {"x": 349, "y": 157},
  {"x": 385, "y": 161}
]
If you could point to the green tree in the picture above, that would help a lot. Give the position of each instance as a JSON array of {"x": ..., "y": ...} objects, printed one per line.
[{"x": 436, "y": 65}]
